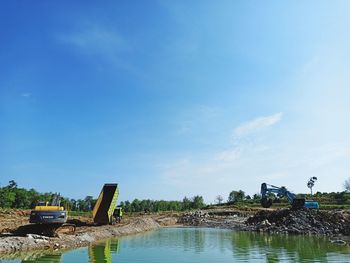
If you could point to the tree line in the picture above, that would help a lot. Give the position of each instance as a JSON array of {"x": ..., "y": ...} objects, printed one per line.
[
  {"x": 12, "y": 196},
  {"x": 147, "y": 205},
  {"x": 325, "y": 198}
]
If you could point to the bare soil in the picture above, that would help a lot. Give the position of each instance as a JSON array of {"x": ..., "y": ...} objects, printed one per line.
[{"x": 17, "y": 236}]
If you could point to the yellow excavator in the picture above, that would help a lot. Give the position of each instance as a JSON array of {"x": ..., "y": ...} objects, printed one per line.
[{"x": 51, "y": 218}]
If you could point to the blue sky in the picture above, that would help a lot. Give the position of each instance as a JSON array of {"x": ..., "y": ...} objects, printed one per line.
[{"x": 174, "y": 98}]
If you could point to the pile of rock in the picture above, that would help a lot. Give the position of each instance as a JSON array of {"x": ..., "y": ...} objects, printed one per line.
[
  {"x": 196, "y": 218},
  {"x": 303, "y": 221}
]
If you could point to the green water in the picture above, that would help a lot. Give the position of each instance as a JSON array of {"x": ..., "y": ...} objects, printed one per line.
[{"x": 202, "y": 245}]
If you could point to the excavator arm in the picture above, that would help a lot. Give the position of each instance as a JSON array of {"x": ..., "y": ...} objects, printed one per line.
[{"x": 281, "y": 192}]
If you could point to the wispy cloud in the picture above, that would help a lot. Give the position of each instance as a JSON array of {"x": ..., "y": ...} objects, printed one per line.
[
  {"x": 257, "y": 124},
  {"x": 196, "y": 117},
  {"x": 228, "y": 155},
  {"x": 104, "y": 43},
  {"x": 222, "y": 170},
  {"x": 95, "y": 39},
  {"x": 26, "y": 94}
]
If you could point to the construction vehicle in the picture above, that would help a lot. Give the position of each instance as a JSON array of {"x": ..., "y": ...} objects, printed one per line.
[
  {"x": 118, "y": 214},
  {"x": 105, "y": 205},
  {"x": 294, "y": 200},
  {"x": 51, "y": 218}
]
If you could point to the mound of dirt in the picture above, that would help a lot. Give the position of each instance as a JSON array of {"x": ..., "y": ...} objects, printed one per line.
[
  {"x": 303, "y": 221},
  {"x": 26, "y": 239}
]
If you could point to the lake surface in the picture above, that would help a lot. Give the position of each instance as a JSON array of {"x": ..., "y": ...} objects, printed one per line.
[{"x": 202, "y": 245}]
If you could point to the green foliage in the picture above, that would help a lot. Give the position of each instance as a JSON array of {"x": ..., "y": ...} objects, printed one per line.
[
  {"x": 13, "y": 197},
  {"x": 198, "y": 202},
  {"x": 7, "y": 197},
  {"x": 147, "y": 205},
  {"x": 236, "y": 196}
]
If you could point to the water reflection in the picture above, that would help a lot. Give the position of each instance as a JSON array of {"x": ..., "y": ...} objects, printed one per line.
[
  {"x": 47, "y": 258},
  {"x": 102, "y": 252},
  {"x": 276, "y": 248},
  {"x": 242, "y": 246},
  {"x": 97, "y": 253},
  {"x": 202, "y": 245}
]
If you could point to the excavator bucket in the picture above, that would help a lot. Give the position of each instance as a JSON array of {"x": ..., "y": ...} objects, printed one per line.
[
  {"x": 298, "y": 203},
  {"x": 266, "y": 202},
  {"x": 105, "y": 205}
]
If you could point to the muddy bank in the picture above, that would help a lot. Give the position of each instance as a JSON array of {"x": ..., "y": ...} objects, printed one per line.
[
  {"x": 303, "y": 221},
  {"x": 286, "y": 221},
  {"x": 230, "y": 219},
  {"x": 84, "y": 236}
]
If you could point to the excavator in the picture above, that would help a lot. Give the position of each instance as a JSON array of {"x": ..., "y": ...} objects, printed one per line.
[
  {"x": 293, "y": 199},
  {"x": 51, "y": 218}
]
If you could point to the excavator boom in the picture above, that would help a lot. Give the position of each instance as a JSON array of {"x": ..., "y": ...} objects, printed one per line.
[{"x": 282, "y": 191}]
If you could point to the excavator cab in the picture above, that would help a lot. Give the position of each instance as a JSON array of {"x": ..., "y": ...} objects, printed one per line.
[{"x": 45, "y": 213}]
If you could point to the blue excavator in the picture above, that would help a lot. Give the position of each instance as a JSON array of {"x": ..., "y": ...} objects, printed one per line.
[{"x": 280, "y": 192}]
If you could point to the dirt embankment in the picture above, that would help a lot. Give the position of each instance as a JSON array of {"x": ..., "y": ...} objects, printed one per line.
[
  {"x": 85, "y": 233},
  {"x": 220, "y": 218},
  {"x": 303, "y": 221}
]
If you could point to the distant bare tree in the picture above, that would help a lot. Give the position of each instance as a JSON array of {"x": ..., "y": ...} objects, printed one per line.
[
  {"x": 311, "y": 182},
  {"x": 347, "y": 185},
  {"x": 219, "y": 199}
]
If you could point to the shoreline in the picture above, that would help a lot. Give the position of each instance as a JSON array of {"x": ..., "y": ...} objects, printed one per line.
[
  {"x": 12, "y": 247},
  {"x": 335, "y": 225}
]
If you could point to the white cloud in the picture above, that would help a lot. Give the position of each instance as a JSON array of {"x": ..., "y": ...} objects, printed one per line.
[{"x": 257, "y": 125}]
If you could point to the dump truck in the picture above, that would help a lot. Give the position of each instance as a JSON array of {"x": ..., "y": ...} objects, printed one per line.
[{"x": 105, "y": 205}]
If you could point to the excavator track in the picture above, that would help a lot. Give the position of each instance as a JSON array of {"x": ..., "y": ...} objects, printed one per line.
[
  {"x": 68, "y": 229},
  {"x": 50, "y": 230}
]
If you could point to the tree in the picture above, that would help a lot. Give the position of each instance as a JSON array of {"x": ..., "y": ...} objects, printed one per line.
[
  {"x": 236, "y": 196},
  {"x": 311, "y": 182},
  {"x": 89, "y": 203},
  {"x": 347, "y": 185},
  {"x": 240, "y": 195},
  {"x": 7, "y": 197},
  {"x": 219, "y": 199},
  {"x": 256, "y": 197},
  {"x": 232, "y": 196},
  {"x": 186, "y": 203},
  {"x": 198, "y": 202},
  {"x": 12, "y": 185},
  {"x": 22, "y": 199}
]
